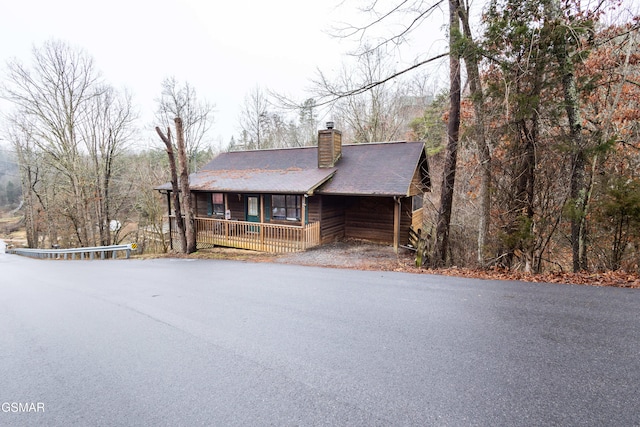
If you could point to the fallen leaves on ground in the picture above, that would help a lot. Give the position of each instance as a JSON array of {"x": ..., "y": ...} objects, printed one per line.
[{"x": 619, "y": 279}]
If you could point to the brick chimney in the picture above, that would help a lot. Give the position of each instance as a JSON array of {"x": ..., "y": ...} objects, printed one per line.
[{"x": 329, "y": 146}]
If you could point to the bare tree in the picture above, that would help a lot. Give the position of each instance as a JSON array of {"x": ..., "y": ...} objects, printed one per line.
[
  {"x": 184, "y": 189},
  {"x": 53, "y": 97},
  {"x": 108, "y": 127},
  {"x": 30, "y": 176},
  {"x": 146, "y": 171},
  {"x": 181, "y": 100},
  {"x": 254, "y": 120},
  {"x": 306, "y": 132},
  {"x": 175, "y": 188},
  {"x": 374, "y": 115}
]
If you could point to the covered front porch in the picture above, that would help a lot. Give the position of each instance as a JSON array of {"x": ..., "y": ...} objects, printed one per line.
[{"x": 264, "y": 237}]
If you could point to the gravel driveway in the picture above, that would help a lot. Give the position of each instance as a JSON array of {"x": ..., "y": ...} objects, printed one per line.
[{"x": 351, "y": 254}]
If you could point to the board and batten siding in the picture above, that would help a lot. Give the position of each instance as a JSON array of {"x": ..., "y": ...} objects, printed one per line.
[
  {"x": 314, "y": 206},
  {"x": 235, "y": 204},
  {"x": 407, "y": 218},
  {"x": 202, "y": 202},
  {"x": 332, "y": 210},
  {"x": 417, "y": 186},
  {"x": 329, "y": 147},
  {"x": 372, "y": 218},
  {"x": 369, "y": 218}
]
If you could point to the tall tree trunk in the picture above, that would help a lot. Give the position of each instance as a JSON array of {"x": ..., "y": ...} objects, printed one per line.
[
  {"x": 30, "y": 218},
  {"x": 105, "y": 203},
  {"x": 470, "y": 56},
  {"x": 25, "y": 185},
  {"x": 80, "y": 214},
  {"x": 578, "y": 218},
  {"x": 27, "y": 181},
  {"x": 175, "y": 190},
  {"x": 519, "y": 230},
  {"x": 99, "y": 202},
  {"x": 578, "y": 183},
  {"x": 528, "y": 186},
  {"x": 184, "y": 187},
  {"x": 441, "y": 244}
]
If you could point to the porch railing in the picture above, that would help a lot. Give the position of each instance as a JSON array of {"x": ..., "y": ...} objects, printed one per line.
[{"x": 262, "y": 237}]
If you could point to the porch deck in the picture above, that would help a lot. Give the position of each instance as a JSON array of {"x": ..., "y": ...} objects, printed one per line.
[{"x": 263, "y": 237}]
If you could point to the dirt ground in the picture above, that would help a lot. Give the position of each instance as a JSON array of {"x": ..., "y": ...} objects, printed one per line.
[
  {"x": 370, "y": 256},
  {"x": 358, "y": 255}
]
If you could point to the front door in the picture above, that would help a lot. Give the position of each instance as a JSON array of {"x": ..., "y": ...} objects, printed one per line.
[{"x": 252, "y": 204}]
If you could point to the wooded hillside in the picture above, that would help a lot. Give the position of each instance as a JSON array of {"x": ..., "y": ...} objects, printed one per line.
[{"x": 543, "y": 168}]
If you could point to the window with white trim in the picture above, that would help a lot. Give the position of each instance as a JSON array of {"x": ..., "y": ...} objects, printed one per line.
[{"x": 252, "y": 206}]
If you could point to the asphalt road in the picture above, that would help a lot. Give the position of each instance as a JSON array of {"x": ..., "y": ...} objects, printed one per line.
[{"x": 194, "y": 342}]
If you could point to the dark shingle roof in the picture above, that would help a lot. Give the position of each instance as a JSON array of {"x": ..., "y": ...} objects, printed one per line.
[{"x": 384, "y": 169}]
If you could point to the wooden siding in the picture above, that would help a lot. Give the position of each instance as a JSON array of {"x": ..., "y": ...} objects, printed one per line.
[
  {"x": 202, "y": 203},
  {"x": 372, "y": 218},
  {"x": 416, "y": 187},
  {"x": 314, "y": 207},
  {"x": 406, "y": 219},
  {"x": 369, "y": 218},
  {"x": 332, "y": 218},
  {"x": 417, "y": 219},
  {"x": 329, "y": 147},
  {"x": 235, "y": 204},
  {"x": 337, "y": 145}
]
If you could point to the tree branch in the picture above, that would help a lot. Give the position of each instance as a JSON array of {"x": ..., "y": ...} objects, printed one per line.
[{"x": 336, "y": 94}]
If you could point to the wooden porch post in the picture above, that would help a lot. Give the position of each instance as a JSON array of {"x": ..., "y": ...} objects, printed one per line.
[
  {"x": 303, "y": 222},
  {"x": 304, "y": 210},
  {"x": 396, "y": 224},
  {"x": 169, "y": 217},
  {"x": 225, "y": 199},
  {"x": 261, "y": 228}
]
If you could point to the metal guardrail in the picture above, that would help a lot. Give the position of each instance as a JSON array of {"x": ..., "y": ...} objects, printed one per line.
[{"x": 74, "y": 253}]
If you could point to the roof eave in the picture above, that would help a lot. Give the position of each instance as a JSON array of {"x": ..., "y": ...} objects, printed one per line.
[{"x": 312, "y": 190}]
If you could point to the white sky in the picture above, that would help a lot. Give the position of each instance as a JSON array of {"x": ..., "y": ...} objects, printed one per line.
[{"x": 223, "y": 49}]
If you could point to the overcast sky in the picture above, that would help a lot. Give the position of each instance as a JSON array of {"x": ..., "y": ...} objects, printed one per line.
[{"x": 223, "y": 49}]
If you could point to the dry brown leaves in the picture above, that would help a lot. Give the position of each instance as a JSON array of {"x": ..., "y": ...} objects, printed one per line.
[{"x": 619, "y": 279}]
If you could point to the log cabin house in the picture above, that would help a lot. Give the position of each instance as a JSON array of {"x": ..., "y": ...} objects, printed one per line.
[{"x": 285, "y": 200}]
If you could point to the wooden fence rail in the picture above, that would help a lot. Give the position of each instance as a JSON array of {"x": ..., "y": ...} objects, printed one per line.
[{"x": 261, "y": 237}]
